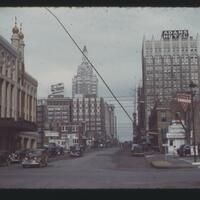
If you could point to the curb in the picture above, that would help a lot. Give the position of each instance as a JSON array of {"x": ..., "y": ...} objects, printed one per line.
[{"x": 163, "y": 164}]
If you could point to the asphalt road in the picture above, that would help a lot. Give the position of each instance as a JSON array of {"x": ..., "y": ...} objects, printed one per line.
[{"x": 104, "y": 169}]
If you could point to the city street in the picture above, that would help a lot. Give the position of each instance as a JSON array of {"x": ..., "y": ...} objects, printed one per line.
[{"x": 104, "y": 168}]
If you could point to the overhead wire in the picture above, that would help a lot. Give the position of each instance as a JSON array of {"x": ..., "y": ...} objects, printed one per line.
[{"x": 62, "y": 25}]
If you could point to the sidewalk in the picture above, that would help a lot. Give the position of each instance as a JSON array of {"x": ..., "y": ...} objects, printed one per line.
[{"x": 163, "y": 162}]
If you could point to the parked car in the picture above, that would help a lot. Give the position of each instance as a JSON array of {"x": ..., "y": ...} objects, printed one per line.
[
  {"x": 137, "y": 150},
  {"x": 14, "y": 157},
  {"x": 17, "y": 156},
  {"x": 4, "y": 158},
  {"x": 55, "y": 149},
  {"x": 35, "y": 157},
  {"x": 184, "y": 150},
  {"x": 76, "y": 151}
]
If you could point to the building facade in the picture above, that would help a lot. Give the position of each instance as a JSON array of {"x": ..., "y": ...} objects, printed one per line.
[
  {"x": 59, "y": 111},
  {"x": 169, "y": 65},
  {"x": 18, "y": 96},
  {"x": 85, "y": 82},
  {"x": 41, "y": 120},
  {"x": 90, "y": 110}
]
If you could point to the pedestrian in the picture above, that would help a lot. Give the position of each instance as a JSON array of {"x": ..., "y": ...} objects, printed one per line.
[{"x": 175, "y": 151}]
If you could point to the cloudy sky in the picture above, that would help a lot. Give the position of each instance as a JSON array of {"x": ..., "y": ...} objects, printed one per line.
[{"x": 113, "y": 37}]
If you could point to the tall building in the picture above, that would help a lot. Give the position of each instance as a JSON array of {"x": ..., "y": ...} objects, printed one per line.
[
  {"x": 53, "y": 111},
  {"x": 168, "y": 65},
  {"x": 85, "y": 82},
  {"x": 90, "y": 110},
  {"x": 18, "y": 96},
  {"x": 97, "y": 116}
]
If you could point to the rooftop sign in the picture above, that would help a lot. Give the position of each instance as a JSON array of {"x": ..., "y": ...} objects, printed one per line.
[
  {"x": 175, "y": 34},
  {"x": 57, "y": 88}
]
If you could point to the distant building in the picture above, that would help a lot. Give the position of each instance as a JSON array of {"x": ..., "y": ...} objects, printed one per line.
[
  {"x": 85, "y": 82},
  {"x": 169, "y": 64},
  {"x": 90, "y": 110},
  {"x": 59, "y": 111},
  {"x": 175, "y": 137},
  {"x": 42, "y": 119},
  {"x": 74, "y": 132},
  {"x": 18, "y": 93}
]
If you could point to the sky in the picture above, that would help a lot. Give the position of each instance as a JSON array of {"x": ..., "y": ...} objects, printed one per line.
[{"x": 113, "y": 37}]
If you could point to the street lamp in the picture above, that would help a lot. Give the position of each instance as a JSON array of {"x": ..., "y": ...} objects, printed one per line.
[{"x": 193, "y": 85}]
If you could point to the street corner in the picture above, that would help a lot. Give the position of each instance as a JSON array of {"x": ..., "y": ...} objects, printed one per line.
[
  {"x": 161, "y": 164},
  {"x": 196, "y": 164}
]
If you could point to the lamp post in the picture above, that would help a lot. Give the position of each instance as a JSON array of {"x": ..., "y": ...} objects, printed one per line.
[{"x": 192, "y": 85}]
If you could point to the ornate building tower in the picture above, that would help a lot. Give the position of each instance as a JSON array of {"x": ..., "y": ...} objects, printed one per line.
[
  {"x": 85, "y": 82},
  {"x": 18, "y": 96}
]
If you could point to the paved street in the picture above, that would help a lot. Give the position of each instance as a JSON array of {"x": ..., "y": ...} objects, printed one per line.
[{"x": 106, "y": 168}]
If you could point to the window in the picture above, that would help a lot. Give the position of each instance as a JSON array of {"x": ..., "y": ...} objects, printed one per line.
[
  {"x": 163, "y": 116},
  {"x": 185, "y": 60},
  {"x": 194, "y": 60},
  {"x": 171, "y": 142},
  {"x": 158, "y": 60},
  {"x": 149, "y": 60},
  {"x": 167, "y": 60}
]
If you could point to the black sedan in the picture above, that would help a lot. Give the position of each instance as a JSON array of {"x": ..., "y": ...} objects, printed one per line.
[
  {"x": 36, "y": 157},
  {"x": 17, "y": 156},
  {"x": 184, "y": 150},
  {"x": 76, "y": 151}
]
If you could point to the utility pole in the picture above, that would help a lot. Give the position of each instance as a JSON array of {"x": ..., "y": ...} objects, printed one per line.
[
  {"x": 192, "y": 85},
  {"x": 134, "y": 113}
]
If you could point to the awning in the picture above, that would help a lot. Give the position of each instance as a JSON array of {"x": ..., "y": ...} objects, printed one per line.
[{"x": 153, "y": 133}]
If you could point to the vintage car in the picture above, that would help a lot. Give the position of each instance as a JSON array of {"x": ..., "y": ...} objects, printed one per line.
[
  {"x": 184, "y": 150},
  {"x": 17, "y": 156},
  {"x": 54, "y": 149},
  {"x": 35, "y": 157},
  {"x": 76, "y": 151},
  {"x": 137, "y": 150},
  {"x": 4, "y": 158},
  {"x": 14, "y": 157}
]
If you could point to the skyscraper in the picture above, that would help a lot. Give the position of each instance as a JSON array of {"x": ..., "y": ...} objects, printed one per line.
[
  {"x": 85, "y": 82},
  {"x": 169, "y": 64}
]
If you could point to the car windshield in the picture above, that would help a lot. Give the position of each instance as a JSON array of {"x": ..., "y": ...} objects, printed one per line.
[{"x": 35, "y": 152}]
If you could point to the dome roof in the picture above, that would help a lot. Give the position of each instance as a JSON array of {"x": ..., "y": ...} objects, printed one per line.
[
  {"x": 21, "y": 35},
  {"x": 15, "y": 28}
]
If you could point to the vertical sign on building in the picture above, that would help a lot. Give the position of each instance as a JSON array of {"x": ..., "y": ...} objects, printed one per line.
[{"x": 184, "y": 99}]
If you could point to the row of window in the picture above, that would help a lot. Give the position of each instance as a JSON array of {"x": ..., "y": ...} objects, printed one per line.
[
  {"x": 172, "y": 60},
  {"x": 167, "y": 50}
]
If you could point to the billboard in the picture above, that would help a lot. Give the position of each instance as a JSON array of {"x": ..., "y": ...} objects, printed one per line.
[
  {"x": 51, "y": 133},
  {"x": 57, "y": 88},
  {"x": 175, "y": 34}
]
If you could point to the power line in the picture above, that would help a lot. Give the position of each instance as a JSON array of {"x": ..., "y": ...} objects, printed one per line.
[{"x": 89, "y": 62}]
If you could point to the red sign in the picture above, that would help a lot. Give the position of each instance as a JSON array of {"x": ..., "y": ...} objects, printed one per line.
[{"x": 184, "y": 99}]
